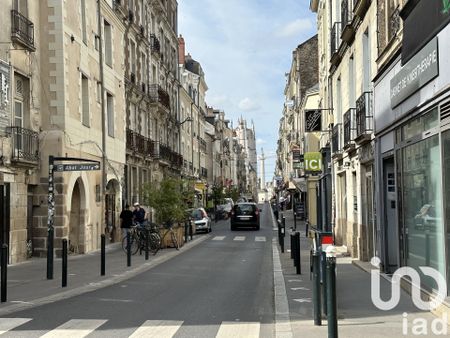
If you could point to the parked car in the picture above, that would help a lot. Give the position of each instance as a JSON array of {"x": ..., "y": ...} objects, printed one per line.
[
  {"x": 201, "y": 220},
  {"x": 245, "y": 215}
]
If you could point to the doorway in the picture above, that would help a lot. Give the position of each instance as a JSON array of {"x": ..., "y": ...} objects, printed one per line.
[
  {"x": 75, "y": 225},
  {"x": 390, "y": 215}
]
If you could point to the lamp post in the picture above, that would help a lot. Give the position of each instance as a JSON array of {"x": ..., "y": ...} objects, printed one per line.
[{"x": 187, "y": 119}]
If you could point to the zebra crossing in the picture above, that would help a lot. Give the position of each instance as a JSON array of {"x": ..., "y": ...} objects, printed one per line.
[
  {"x": 80, "y": 328},
  {"x": 241, "y": 238}
]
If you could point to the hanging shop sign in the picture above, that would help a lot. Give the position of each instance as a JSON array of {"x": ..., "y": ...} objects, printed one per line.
[
  {"x": 313, "y": 120},
  {"x": 420, "y": 70},
  {"x": 5, "y": 116},
  {"x": 313, "y": 162}
]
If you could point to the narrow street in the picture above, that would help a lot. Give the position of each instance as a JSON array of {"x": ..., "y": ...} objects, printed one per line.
[{"x": 221, "y": 288}]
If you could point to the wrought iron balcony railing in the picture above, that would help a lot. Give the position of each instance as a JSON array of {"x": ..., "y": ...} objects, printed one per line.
[
  {"x": 139, "y": 144},
  {"x": 159, "y": 95},
  {"x": 364, "y": 117},
  {"x": 155, "y": 46},
  {"x": 22, "y": 30},
  {"x": 349, "y": 128},
  {"x": 24, "y": 144},
  {"x": 335, "y": 37}
]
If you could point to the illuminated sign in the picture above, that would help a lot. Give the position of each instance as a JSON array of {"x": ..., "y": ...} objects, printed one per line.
[{"x": 313, "y": 162}]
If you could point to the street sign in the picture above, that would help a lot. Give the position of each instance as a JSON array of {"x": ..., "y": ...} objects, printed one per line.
[{"x": 78, "y": 167}]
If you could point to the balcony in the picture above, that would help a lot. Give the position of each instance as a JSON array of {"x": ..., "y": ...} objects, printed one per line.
[
  {"x": 364, "y": 118},
  {"x": 24, "y": 145},
  {"x": 349, "y": 129},
  {"x": 159, "y": 95},
  {"x": 155, "y": 46},
  {"x": 336, "y": 143},
  {"x": 335, "y": 42},
  {"x": 348, "y": 31},
  {"x": 22, "y": 30},
  {"x": 139, "y": 144}
]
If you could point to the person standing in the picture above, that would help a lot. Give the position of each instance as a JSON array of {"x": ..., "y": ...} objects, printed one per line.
[
  {"x": 139, "y": 214},
  {"x": 126, "y": 220}
]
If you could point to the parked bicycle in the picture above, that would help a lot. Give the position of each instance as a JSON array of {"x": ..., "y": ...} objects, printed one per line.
[
  {"x": 173, "y": 238},
  {"x": 138, "y": 239}
]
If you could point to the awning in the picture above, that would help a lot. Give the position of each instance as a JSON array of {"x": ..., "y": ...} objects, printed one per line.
[{"x": 300, "y": 183}]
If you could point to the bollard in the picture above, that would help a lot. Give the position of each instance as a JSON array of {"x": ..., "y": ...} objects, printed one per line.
[
  {"x": 331, "y": 293},
  {"x": 316, "y": 288},
  {"x": 306, "y": 228},
  {"x": 186, "y": 225},
  {"x": 279, "y": 231},
  {"x": 64, "y": 263},
  {"x": 294, "y": 249},
  {"x": 147, "y": 239},
  {"x": 297, "y": 256},
  {"x": 4, "y": 265},
  {"x": 323, "y": 277},
  {"x": 295, "y": 221},
  {"x": 292, "y": 245},
  {"x": 283, "y": 230},
  {"x": 50, "y": 237},
  {"x": 102, "y": 254},
  {"x": 128, "y": 249},
  {"x": 191, "y": 231}
]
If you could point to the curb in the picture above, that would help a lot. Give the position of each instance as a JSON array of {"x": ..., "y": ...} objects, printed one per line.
[{"x": 93, "y": 286}]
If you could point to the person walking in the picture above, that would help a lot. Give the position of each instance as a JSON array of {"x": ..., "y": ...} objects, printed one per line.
[{"x": 126, "y": 220}]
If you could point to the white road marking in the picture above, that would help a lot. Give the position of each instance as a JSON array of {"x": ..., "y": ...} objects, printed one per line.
[
  {"x": 218, "y": 238},
  {"x": 239, "y": 238},
  {"x": 260, "y": 239},
  {"x": 303, "y": 300},
  {"x": 7, "y": 324},
  {"x": 75, "y": 328},
  {"x": 294, "y": 280},
  {"x": 238, "y": 329},
  {"x": 300, "y": 288},
  {"x": 157, "y": 328}
]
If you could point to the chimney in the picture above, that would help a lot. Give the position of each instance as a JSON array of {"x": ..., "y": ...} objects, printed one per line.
[{"x": 181, "y": 50}]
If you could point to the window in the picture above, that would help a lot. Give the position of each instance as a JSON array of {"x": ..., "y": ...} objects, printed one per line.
[
  {"x": 85, "y": 100},
  {"x": 366, "y": 62},
  {"x": 21, "y": 6},
  {"x": 83, "y": 20},
  {"x": 110, "y": 113},
  {"x": 108, "y": 43},
  {"x": 351, "y": 82},
  {"x": 133, "y": 57}
]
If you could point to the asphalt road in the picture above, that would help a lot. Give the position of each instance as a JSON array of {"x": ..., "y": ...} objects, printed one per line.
[{"x": 221, "y": 288}]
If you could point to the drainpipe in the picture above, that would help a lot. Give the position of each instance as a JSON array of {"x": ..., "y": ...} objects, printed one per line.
[{"x": 102, "y": 78}]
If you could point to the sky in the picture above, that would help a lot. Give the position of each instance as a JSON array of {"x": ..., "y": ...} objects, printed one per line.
[{"x": 245, "y": 49}]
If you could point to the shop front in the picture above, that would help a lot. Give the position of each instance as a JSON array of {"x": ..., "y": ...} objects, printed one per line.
[{"x": 412, "y": 161}]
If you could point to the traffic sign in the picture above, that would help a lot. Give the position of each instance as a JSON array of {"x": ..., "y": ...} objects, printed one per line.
[{"x": 78, "y": 167}]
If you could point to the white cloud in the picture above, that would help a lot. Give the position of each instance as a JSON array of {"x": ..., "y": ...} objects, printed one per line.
[
  {"x": 295, "y": 28},
  {"x": 260, "y": 141},
  {"x": 247, "y": 104}
]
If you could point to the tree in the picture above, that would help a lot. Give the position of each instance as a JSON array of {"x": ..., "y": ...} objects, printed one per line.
[
  {"x": 233, "y": 193},
  {"x": 217, "y": 194},
  {"x": 167, "y": 200}
]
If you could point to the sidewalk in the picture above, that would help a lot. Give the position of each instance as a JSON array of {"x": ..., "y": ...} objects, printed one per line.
[
  {"x": 357, "y": 315},
  {"x": 28, "y": 285}
]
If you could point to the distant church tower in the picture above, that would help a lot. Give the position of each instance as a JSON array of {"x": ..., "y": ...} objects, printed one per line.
[{"x": 263, "y": 171}]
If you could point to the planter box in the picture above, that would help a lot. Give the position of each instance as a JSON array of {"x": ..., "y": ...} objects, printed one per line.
[{"x": 167, "y": 241}]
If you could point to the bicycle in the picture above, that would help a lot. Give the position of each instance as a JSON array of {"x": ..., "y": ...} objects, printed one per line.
[
  {"x": 138, "y": 239},
  {"x": 173, "y": 238}
]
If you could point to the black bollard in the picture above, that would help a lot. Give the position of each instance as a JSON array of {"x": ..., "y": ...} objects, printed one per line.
[
  {"x": 279, "y": 231},
  {"x": 103, "y": 255},
  {"x": 297, "y": 256},
  {"x": 292, "y": 245},
  {"x": 306, "y": 228},
  {"x": 191, "y": 231},
  {"x": 50, "y": 237},
  {"x": 4, "y": 265},
  {"x": 295, "y": 221},
  {"x": 128, "y": 249},
  {"x": 316, "y": 288},
  {"x": 186, "y": 225},
  {"x": 283, "y": 233},
  {"x": 331, "y": 297},
  {"x": 64, "y": 263},
  {"x": 147, "y": 240},
  {"x": 323, "y": 268}
]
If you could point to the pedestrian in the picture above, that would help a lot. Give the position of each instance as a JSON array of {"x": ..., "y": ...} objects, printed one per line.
[
  {"x": 126, "y": 220},
  {"x": 139, "y": 214}
]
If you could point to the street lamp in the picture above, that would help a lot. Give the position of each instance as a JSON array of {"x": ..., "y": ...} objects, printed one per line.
[{"x": 187, "y": 119}]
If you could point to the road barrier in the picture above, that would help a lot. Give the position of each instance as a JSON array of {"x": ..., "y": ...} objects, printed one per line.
[
  {"x": 4, "y": 266},
  {"x": 102, "y": 255},
  {"x": 64, "y": 263}
]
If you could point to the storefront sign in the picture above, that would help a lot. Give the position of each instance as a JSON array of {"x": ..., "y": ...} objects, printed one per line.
[
  {"x": 313, "y": 120},
  {"x": 313, "y": 162},
  {"x": 5, "y": 118},
  {"x": 421, "y": 69},
  {"x": 298, "y": 165}
]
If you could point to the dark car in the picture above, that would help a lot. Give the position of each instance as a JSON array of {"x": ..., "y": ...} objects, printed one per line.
[{"x": 245, "y": 215}]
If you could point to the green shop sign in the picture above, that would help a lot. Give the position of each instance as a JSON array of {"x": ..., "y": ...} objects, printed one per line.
[{"x": 313, "y": 162}]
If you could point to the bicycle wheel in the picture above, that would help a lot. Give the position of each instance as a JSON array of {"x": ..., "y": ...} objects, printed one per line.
[
  {"x": 133, "y": 242},
  {"x": 174, "y": 240},
  {"x": 154, "y": 243}
]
